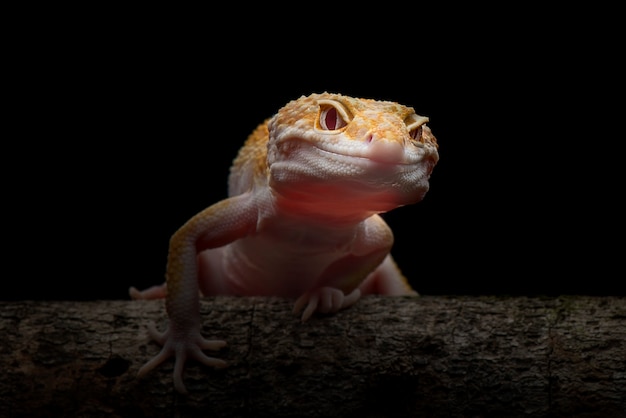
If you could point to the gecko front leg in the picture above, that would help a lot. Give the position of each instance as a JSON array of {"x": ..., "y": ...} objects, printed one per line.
[
  {"x": 216, "y": 226},
  {"x": 339, "y": 285},
  {"x": 182, "y": 339}
]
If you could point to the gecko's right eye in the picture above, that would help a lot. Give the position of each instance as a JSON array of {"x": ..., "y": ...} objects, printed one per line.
[
  {"x": 332, "y": 116},
  {"x": 414, "y": 125},
  {"x": 330, "y": 119}
]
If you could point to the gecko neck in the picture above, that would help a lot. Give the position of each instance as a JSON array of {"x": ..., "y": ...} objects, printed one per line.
[{"x": 320, "y": 213}]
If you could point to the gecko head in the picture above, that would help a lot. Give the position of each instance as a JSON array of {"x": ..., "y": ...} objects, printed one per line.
[{"x": 333, "y": 150}]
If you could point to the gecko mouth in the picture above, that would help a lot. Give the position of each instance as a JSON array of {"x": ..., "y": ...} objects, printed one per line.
[
  {"x": 364, "y": 156},
  {"x": 297, "y": 160},
  {"x": 366, "y": 160}
]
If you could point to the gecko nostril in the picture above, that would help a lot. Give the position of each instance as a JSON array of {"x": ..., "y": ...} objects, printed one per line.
[{"x": 369, "y": 138}]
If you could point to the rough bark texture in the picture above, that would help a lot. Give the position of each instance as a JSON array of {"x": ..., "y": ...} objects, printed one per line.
[{"x": 385, "y": 356}]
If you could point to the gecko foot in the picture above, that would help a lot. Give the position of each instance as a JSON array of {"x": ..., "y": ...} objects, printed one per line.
[
  {"x": 182, "y": 346},
  {"x": 154, "y": 292},
  {"x": 324, "y": 300}
]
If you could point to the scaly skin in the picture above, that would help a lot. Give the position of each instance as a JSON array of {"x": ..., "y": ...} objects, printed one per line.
[{"x": 301, "y": 220}]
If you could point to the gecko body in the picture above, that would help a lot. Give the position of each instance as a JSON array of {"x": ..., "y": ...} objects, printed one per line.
[{"x": 302, "y": 217}]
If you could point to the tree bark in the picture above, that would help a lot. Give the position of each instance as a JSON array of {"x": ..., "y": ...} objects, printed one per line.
[{"x": 428, "y": 356}]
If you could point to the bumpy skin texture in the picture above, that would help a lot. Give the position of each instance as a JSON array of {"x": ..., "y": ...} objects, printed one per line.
[{"x": 301, "y": 219}]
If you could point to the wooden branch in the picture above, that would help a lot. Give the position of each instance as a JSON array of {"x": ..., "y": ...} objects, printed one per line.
[{"x": 428, "y": 356}]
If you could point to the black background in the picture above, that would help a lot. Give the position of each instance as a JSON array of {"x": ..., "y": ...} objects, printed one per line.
[{"x": 127, "y": 127}]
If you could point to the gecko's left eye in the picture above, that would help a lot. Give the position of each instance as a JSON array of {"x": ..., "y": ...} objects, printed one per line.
[
  {"x": 414, "y": 124},
  {"x": 332, "y": 116},
  {"x": 416, "y": 133}
]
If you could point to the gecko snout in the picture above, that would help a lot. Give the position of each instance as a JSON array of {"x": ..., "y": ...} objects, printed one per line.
[{"x": 384, "y": 150}]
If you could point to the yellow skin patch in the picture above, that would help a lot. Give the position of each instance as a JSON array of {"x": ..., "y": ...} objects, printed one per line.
[{"x": 301, "y": 220}]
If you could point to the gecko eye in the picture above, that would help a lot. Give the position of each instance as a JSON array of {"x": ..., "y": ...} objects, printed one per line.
[
  {"x": 416, "y": 134},
  {"x": 414, "y": 124},
  {"x": 332, "y": 116},
  {"x": 330, "y": 119}
]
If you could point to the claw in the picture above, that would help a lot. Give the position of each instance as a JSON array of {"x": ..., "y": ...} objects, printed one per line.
[
  {"x": 163, "y": 355},
  {"x": 199, "y": 356},
  {"x": 179, "y": 365},
  {"x": 324, "y": 300},
  {"x": 182, "y": 349},
  {"x": 310, "y": 301}
]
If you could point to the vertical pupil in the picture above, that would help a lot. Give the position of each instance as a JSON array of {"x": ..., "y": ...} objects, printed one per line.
[
  {"x": 416, "y": 133},
  {"x": 331, "y": 118}
]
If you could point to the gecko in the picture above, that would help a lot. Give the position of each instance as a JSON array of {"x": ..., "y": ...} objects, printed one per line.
[{"x": 302, "y": 219}]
